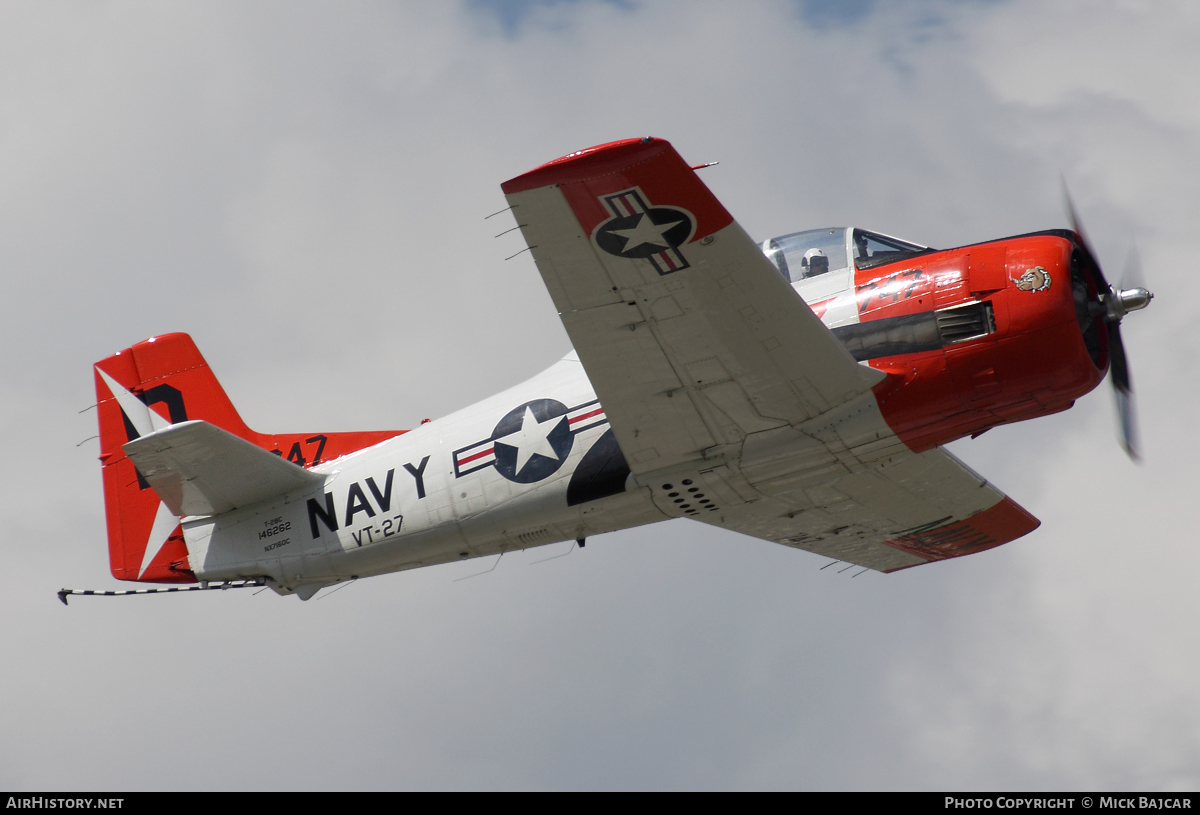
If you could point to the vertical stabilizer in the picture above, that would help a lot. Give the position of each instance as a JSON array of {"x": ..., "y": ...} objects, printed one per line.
[{"x": 160, "y": 382}]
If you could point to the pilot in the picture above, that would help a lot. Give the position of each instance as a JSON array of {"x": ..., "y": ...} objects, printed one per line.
[{"x": 814, "y": 263}]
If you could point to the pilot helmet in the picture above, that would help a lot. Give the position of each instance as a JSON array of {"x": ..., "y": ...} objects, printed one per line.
[{"x": 814, "y": 262}]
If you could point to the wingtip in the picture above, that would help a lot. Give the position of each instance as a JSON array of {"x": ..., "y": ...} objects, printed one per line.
[{"x": 585, "y": 163}]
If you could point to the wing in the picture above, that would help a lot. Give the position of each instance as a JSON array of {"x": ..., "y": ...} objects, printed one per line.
[
  {"x": 912, "y": 510},
  {"x": 728, "y": 396},
  {"x": 685, "y": 329}
]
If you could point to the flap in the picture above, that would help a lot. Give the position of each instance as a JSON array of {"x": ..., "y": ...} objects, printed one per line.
[{"x": 200, "y": 469}]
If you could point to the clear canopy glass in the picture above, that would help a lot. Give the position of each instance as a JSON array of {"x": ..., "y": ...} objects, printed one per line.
[
  {"x": 873, "y": 246},
  {"x": 788, "y": 252},
  {"x": 798, "y": 256}
]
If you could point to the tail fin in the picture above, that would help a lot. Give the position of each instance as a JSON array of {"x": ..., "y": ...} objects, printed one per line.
[{"x": 159, "y": 382}]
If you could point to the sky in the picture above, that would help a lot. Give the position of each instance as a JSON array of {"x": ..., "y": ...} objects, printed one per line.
[{"x": 303, "y": 188}]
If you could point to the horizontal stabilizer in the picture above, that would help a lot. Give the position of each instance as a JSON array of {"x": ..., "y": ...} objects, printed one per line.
[{"x": 200, "y": 469}]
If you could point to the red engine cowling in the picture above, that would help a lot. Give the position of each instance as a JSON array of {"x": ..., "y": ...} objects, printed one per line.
[{"x": 981, "y": 335}]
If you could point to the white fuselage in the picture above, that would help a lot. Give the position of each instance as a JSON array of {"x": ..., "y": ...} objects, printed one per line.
[{"x": 435, "y": 494}]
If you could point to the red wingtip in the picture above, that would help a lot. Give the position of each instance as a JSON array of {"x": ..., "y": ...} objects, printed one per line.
[
  {"x": 1004, "y": 522},
  {"x": 587, "y": 163},
  {"x": 649, "y": 165}
]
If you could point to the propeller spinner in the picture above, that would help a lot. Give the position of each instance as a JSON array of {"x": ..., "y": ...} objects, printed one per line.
[{"x": 1113, "y": 305}]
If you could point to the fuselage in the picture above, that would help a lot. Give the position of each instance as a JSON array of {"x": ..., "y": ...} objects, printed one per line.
[
  {"x": 969, "y": 338},
  {"x": 501, "y": 475}
]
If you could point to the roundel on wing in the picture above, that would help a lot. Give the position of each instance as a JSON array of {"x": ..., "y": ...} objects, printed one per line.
[
  {"x": 645, "y": 233},
  {"x": 532, "y": 441}
]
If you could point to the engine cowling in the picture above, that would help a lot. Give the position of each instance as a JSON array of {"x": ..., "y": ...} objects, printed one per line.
[{"x": 980, "y": 335}]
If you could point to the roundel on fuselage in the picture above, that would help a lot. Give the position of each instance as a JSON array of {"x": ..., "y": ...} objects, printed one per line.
[{"x": 532, "y": 441}]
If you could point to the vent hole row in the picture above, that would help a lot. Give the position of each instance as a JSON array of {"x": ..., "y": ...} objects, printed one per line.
[{"x": 689, "y": 498}]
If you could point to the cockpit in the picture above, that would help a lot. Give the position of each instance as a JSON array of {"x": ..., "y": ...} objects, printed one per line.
[{"x": 802, "y": 256}]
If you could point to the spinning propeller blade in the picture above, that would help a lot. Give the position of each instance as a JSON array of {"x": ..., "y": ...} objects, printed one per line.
[{"x": 1117, "y": 302}]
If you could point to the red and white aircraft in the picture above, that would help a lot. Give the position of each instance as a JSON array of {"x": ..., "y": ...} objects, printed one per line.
[{"x": 797, "y": 391}]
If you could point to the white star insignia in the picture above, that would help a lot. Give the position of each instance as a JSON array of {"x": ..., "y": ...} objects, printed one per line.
[
  {"x": 533, "y": 439},
  {"x": 646, "y": 232}
]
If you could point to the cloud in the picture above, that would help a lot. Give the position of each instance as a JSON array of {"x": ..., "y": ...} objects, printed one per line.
[{"x": 303, "y": 188}]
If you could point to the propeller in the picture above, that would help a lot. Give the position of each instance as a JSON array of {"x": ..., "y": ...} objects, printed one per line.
[{"x": 1130, "y": 295}]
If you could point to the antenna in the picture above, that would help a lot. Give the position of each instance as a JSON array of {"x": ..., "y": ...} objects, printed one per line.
[{"x": 222, "y": 586}]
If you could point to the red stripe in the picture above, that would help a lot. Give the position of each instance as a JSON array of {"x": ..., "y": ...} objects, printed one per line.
[
  {"x": 469, "y": 459},
  {"x": 595, "y": 412},
  {"x": 627, "y": 202},
  {"x": 820, "y": 308},
  {"x": 667, "y": 257}
]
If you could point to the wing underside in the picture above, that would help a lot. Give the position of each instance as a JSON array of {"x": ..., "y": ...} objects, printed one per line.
[
  {"x": 916, "y": 509},
  {"x": 683, "y": 326},
  {"x": 729, "y": 398}
]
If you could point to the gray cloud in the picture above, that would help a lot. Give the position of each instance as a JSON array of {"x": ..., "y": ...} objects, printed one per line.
[{"x": 303, "y": 189}]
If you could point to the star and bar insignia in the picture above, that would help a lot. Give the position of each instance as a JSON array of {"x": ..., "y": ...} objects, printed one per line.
[
  {"x": 531, "y": 442},
  {"x": 639, "y": 230}
]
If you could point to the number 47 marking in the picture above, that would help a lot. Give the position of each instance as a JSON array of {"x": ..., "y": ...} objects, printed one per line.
[{"x": 296, "y": 454}]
